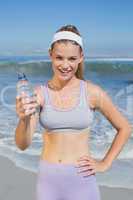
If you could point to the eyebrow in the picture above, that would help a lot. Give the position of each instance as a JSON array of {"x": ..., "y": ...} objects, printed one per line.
[{"x": 68, "y": 57}]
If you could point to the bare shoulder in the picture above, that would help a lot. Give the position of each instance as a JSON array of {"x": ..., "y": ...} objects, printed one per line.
[
  {"x": 92, "y": 86},
  {"x": 103, "y": 102},
  {"x": 96, "y": 93}
]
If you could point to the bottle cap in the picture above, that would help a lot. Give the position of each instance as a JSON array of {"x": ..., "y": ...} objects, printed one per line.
[{"x": 22, "y": 76}]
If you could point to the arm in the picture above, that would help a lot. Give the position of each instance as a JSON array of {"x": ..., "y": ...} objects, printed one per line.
[
  {"x": 27, "y": 123},
  {"x": 25, "y": 130},
  {"x": 103, "y": 103}
]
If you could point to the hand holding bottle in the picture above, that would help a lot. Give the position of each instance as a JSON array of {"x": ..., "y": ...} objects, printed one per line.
[{"x": 26, "y": 106}]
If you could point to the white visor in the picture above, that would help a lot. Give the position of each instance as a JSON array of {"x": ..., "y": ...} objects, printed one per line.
[{"x": 67, "y": 35}]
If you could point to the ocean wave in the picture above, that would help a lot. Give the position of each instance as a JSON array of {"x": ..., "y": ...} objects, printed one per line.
[
  {"x": 39, "y": 67},
  {"x": 110, "y": 67}
]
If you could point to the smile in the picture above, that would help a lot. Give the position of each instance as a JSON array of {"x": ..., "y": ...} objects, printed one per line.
[{"x": 65, "y": 72}]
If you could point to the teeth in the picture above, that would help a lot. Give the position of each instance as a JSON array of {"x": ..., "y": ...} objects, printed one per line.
[{"x": 65, "y": 71}]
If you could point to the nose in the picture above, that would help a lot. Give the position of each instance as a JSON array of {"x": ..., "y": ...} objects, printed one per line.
[{"x": 65, "y": 64}]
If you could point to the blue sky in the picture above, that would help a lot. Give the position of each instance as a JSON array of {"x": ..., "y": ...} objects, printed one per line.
[{"x": 27, "y": 27}]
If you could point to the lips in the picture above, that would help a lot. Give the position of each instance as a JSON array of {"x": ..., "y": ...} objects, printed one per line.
[{"x": 65, "y": 72}]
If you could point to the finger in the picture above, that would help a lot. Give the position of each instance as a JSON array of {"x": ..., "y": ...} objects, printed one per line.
[
  {"x": 18, "y": 97},
  {"x": 20, "y": 110},
  {"x": 85, "y": 169},
  {"x": 89, "y": 167},
  {"x": 91, "y": 162},
  {"x": 29, "y": 112},
  {"x": 92, "y": 172},
  {"x": 86, "y": 166},
  {"x": 30, "y": 106},
  {"x": 82, "y": 159},
  {"x": 19, "y": 106},
  {"x": 28, "y": 100},
  {"x": 21, "y": 115},
  {"x": 25, "y": 100},
  {"x": 33, "y": 99},
  {"x": 21, "y": 97},
  {"x": 24, "y": 94},
  {"x": 83, "y": 163}
]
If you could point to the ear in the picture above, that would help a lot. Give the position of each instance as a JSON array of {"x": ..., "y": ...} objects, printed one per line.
[
  {"x": 50, "y": 53},
  {"x": 81, "y": 57}
]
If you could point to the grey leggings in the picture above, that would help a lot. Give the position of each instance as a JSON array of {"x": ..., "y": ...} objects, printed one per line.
[{"x": 58, "y": 181}]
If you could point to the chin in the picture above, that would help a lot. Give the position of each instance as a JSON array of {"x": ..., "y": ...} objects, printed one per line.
[{"x": 65, "y": 77}]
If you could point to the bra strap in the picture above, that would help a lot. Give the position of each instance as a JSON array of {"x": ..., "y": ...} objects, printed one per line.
[
  {"x": 47, "y": 101},
  {"x": 83, "y": 93}
]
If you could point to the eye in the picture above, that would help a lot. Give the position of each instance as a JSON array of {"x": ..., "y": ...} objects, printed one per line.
[
  {"x": 72, "y": 59},
  {"x": 58, "y": 57}
]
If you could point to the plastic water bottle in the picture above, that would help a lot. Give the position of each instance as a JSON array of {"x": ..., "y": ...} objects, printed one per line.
[{"x": 25, "y": 87}]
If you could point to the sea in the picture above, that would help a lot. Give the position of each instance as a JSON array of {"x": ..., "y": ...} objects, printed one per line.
[{"x": 114, "y": 75}]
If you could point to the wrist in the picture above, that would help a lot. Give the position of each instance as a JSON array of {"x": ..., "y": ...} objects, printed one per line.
[
  {"x": 106, "y": 163},
  {"x": 25, "y": 119}
]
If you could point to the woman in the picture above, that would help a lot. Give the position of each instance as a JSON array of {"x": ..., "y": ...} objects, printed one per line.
[{"x": 67, "y": 104}]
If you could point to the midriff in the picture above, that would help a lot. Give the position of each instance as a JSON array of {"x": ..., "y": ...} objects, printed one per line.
[{"x": 65, "y": 147}]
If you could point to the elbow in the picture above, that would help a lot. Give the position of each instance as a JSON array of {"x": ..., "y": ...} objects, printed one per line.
[
  {"x": 21, "y": 147},
  {"x": 127, "y": 128},
  {"x": 21, "y": 142}
]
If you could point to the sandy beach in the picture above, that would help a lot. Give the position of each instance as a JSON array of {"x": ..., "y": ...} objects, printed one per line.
[
  {"x": 19, "y": 184},
  {"x": 16, "y": 183}
]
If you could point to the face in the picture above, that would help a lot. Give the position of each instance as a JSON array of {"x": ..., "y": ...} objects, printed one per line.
[{"x": 65, "y": 59}]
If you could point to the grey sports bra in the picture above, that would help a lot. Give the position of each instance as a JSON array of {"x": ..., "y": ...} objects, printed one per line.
[{"x": 76, "y": 119}]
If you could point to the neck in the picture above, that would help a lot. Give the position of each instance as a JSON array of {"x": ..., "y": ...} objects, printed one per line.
[{"x": 61, "y": 84}]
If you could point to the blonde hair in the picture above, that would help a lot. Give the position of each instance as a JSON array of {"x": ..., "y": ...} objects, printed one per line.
[{"x": 80, "y": 71}]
